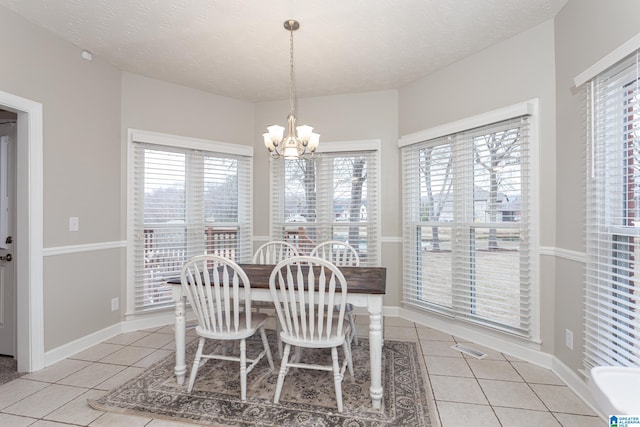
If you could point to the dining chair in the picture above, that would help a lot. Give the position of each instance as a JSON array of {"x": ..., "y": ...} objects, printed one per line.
[
  {"x": 340, "y": 254},
  {"x": 272, "y": 253},
  {"x": 305, "y": 291},
  {"x": 219, "y": 293}
]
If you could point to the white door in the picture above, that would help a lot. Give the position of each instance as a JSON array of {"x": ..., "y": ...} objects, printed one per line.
[{"x": 7, "y": 240}]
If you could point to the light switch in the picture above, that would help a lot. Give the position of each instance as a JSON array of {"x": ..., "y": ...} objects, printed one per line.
[{"x": 74, "y": 223}]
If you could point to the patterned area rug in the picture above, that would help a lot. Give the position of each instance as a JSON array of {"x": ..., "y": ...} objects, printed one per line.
[{"x": 308, "y": 396}]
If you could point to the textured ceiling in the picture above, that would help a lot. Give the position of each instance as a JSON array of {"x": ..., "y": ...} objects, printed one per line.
[{"x": 239, "y": 48}]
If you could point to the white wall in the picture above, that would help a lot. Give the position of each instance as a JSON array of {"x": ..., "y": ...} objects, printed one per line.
[{"x": 81, "y": 113}]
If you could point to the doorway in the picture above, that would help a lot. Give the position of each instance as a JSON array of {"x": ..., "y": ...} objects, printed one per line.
[
  {"x": 7, "y": 233},
  {"x": 27, "y": 252}
]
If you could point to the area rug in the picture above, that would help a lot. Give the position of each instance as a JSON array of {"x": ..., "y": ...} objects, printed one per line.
[{"x": 308, "y": 396}]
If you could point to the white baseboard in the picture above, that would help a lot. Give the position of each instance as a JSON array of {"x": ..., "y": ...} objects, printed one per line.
[
  {"x": 68, "y": 350},
  {"x": 81, "y": 344},
  {"x": 576, "y": 383}
]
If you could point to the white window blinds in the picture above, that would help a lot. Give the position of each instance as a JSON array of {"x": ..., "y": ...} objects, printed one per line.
[
  {"x": 467, "y": 225},
  {"x": 613, "y": 207},
  {"x": 186, "y": 202},
  {"x": 330, "y": 197}
]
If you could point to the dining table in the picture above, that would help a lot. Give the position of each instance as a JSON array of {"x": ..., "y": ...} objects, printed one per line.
[{"x": 366, "y": 287}]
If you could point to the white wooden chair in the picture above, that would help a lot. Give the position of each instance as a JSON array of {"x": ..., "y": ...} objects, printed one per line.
[
  {"x": 305, "y": 291},
  {"x": 272, "y": 253},
  {"x": 220, "y": 295},
  {"x": 341, "y": 254}
]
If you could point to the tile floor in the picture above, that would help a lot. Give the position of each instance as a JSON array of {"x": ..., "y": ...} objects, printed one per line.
[{"x": 496, "y": 391}]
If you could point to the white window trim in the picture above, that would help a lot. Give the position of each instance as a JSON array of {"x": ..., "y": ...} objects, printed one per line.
[
  {"x": 531, "y": 108},
  {"x": 525, "y": 108},
  {"x": 137, "y": 136},
  {"x": 617, "y": 55}
]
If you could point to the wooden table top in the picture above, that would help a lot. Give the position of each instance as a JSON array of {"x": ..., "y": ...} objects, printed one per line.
[{"x": 360, "y": 280}]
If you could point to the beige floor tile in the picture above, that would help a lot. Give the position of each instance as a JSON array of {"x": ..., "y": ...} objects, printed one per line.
[
  {"x": 153, "y": 329},
  {"x": 439, "y": 348},
  {"x": 17, "y": 389},
  {"x": 77, "y": 411},
  {"x": 8, "y": 420},
  {"x": 46, "y": 423},
  {"x": 452, "y": 366},
  {"x": 425, "y": 333},
  {"x": 396, "y": 321},
  {"x": 525, "y": 417},
  {"x": 127, "y": 356},
  {"x": 561, "y": 399},
  {"x": 91, "y": 375},
  {"x": 535, "y": 374},
  {"x": 511, "y": 394},
  {"x": 45, "y": 401},
  {"x": 456, "y": 389},
  {"x": 119, "y": 420},
  {"x": 512, "y": 358},
  {"x": 154, "y": 357},
  {"x": 120, "y": 378},
  {"x": 400, "y": 333},
  {"x": 127, "y": 338},
  {"x": 494, "y": 370},
  {"x": 97, "y": 352},
  {"x": 57, "y": 371},
  {"x": 454, "y": 414},
  {"x": 491, "y": 354},
  {"x": 464, "y": 387},
  {"x": 172, "y": 345},
  {"x": 570, "y": 420},
  {"x": 166, "y": 329},
  {"x": 156, "y": 340}
]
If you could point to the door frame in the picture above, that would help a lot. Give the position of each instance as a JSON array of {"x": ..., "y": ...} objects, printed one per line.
[{"x": 29, "y": 230}]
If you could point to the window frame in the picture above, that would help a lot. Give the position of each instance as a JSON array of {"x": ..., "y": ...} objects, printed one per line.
[
  {"x": 612, "y": 220},
  {"x": 528, "y": 108},
  {"x": 136, "y": 136},
  {"x": 333, "y": 147}
]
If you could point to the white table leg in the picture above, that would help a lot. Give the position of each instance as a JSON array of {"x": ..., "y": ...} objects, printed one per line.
[
  {"x": 375, "y": 349},
  {"x": 181, "y": 367}
]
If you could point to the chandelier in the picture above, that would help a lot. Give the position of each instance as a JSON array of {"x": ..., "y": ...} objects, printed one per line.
[{"x": 300, "y": 142}]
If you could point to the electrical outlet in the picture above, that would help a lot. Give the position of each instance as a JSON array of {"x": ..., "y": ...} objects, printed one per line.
[
  {"x": 115, "y": 304},
  {"x": 568, "y": 339}
]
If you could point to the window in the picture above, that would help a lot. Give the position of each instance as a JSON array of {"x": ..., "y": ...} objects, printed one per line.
[
  {"x": 467, "y": 224},
  {"x": 613, "y": 209},
  {"x": 188, "y": 197},
  {"x": 332, "y": 196}
]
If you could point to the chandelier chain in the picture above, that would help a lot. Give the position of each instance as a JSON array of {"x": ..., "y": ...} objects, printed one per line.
[{"x": 292, "y": 76}]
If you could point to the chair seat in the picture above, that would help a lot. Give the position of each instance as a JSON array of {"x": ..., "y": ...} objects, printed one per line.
[
  {"x": 336, "y": 338},
  {"x": 244, "y": 331}
]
